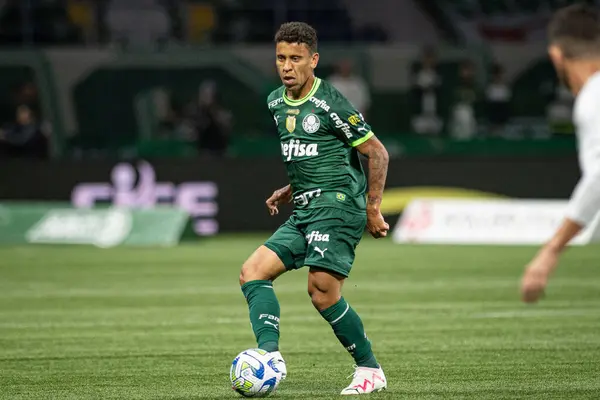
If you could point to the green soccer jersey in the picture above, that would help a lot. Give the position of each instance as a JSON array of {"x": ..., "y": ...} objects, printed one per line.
[{"x": 318, "y": 136}]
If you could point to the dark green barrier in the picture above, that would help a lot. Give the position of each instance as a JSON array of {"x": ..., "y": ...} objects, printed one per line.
[{"x": 227, "y": 195}]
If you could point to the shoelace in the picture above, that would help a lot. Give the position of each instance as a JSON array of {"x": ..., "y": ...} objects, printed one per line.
[{"x": 352, "y": 375}]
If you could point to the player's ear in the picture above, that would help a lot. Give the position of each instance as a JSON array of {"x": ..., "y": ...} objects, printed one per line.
[
  {"x": 314, "y": 60},
  {"x": 556, "y": 55}
]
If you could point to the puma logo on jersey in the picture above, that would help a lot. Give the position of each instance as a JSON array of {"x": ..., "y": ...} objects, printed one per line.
[
  {"x": 321, "y": 252},
  {"x": 316, "y": 236},
  {"x": 296, "y": 149}
]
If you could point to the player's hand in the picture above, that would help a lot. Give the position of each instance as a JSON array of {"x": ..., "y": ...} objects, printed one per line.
[
  {"x": 376, "y": 225},
  {"x": 536, "y": 275},
  {"x": 280, "y": 196},
  {"x": 272, "y": 203}
]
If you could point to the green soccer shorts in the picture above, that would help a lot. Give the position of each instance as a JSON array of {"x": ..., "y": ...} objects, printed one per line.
[{"x": 321, "y": 237}]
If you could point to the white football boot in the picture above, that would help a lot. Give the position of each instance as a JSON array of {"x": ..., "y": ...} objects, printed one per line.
[
  {"x": 366, "y": 380},
  {"x": 278, "y": 363}
]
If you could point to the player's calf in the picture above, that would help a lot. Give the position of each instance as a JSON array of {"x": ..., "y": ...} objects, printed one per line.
[
  {"x": 325, "y": 291},
  {"x": 256, "y": 280}
]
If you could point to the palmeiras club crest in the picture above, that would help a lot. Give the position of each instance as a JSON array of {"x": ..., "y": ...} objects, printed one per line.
[{"x": 311, "y": 123}]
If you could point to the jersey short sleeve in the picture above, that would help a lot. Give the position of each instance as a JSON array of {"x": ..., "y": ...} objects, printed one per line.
[
  {"x": 348, "y": 123},
  {"x": 274, "y": 99}
]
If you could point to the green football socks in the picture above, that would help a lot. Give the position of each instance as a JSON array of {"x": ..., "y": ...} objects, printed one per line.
[
  {"x": 349, "y": 330},
  {"x": 264, "y": 313},
  {"x": 346, "y": 324}
]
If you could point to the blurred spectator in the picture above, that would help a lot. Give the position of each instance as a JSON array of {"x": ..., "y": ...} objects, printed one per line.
[
  {"x": 497, "y": 101},
  {"x": 212, "y": 121},
  {"x": 170, "y": 114},
  {"x": 27, "y": 95},
  {"x": 25, "y": 134},
  {"x": 426, "y": 85},
  {"x": 138, "y": 22},
  {"x": 463, "y": 124},
  {"x": 25, "y": 137},
  {"x": 426, "y": 75},
  {"x": 352, "y": 86}
]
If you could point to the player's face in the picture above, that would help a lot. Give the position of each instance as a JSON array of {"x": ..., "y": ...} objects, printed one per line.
[
  {"x": 558, "y": 59},
  {"x": 295, "y": 64}
]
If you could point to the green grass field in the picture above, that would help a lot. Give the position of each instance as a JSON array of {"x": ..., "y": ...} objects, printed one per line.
[{"x": 445, "y": 322}]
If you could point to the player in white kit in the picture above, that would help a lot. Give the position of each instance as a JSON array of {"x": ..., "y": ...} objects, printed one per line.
[{"x": 574, "y": 48}]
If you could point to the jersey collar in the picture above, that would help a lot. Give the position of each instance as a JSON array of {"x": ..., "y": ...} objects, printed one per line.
[{"x": 299, "y": 102}]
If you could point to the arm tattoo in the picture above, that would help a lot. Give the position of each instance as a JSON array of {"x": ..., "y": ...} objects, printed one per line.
[
  {"x": 285, "y": 193},
  {"x": 378, "y": 166}
]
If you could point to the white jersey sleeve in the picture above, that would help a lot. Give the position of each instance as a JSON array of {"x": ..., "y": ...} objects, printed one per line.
[{"x": 585, "y": 201}]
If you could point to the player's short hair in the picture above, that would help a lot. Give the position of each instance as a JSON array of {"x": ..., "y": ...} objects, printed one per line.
[
  {"x": 298, "y": 32},
  {"x": 575, "y": 29}
]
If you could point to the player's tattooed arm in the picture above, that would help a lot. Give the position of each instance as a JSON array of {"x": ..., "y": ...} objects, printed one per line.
[
  {"x": 378, "y": 157},
  {"x": 285, "y": 193},
  {"x": 280, "y": 196}
]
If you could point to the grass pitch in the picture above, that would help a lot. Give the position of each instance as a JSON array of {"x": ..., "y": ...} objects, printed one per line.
[{"x": 445, "y": 322}]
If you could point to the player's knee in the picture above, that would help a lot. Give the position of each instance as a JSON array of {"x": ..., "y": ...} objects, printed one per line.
[
  {"x": 253, "y": 271},
  {"x": 247, "y": 273},
  {"x": 242, "y": 278},
  {"x": 322, "y": 298},
  {"x": 262, "y": 265}
]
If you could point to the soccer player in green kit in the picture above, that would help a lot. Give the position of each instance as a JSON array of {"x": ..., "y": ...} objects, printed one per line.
[{"x": 321, "y": 134}]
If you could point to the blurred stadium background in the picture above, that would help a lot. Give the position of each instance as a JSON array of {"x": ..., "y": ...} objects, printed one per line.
[{"x": 136, "y": 152}]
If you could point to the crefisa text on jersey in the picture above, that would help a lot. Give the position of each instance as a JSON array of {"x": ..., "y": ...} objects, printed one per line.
[
  {"x": 296, "y": 149},
  {"x": 320, "y": 103}
]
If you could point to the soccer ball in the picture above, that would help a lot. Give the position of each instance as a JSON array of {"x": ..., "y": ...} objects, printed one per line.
[{"x": 252, "y": 374}]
